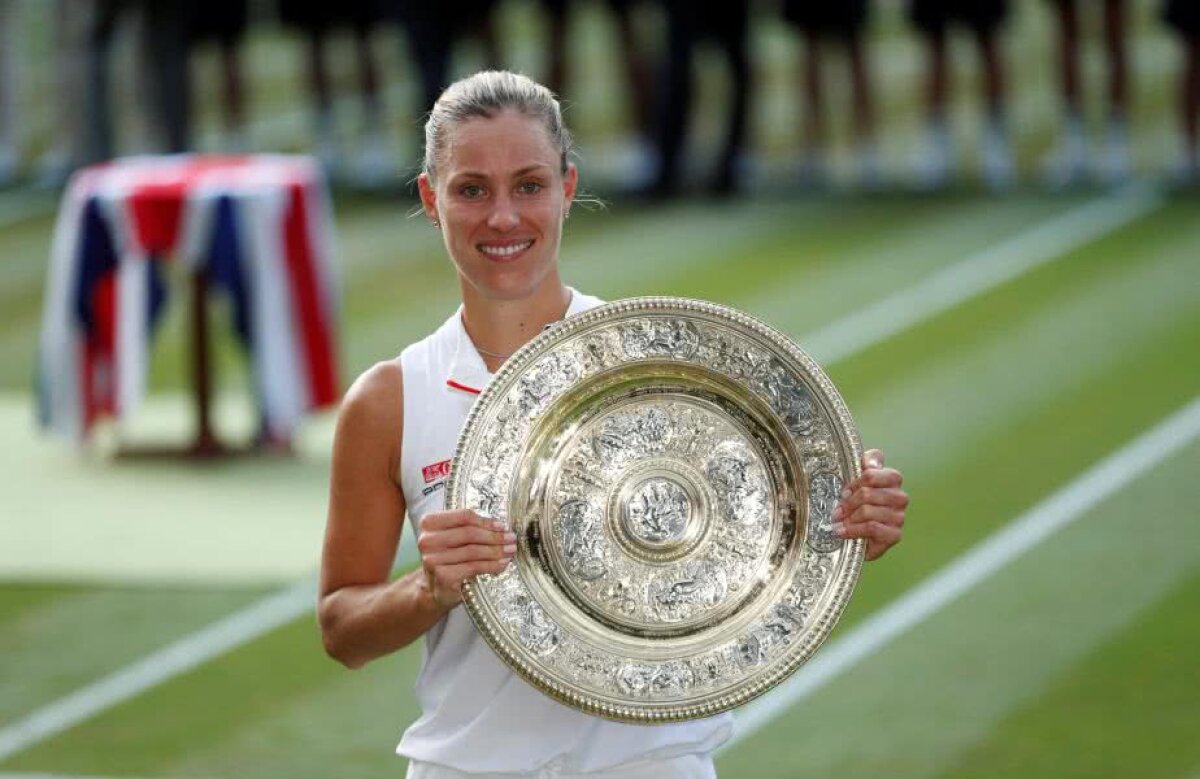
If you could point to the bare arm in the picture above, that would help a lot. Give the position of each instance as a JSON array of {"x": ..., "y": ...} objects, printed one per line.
[{"x": 362, "y": 614}]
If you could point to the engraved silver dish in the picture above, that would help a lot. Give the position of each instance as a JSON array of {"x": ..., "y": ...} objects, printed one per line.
[{"x": 670, "y": 467}]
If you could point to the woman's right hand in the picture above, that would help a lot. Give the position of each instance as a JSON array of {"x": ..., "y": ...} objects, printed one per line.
[{"x": 456, "y": 545}]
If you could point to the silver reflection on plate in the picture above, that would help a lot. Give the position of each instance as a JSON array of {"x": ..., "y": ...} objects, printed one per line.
[{"x": 670, "y": 468}]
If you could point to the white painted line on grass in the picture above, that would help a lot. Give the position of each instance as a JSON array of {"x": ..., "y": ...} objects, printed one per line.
[
  {"x": 1110, "y": 476},
  {"x": 980, "y": 273},
  {"x": 840, "y": 340},
  {"x": 187, "y": 653}
]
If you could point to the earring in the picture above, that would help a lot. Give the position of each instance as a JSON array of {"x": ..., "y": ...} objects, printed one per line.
[{"x": 436, "y": 222}]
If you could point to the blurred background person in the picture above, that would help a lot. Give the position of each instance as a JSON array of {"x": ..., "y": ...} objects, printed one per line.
[
  {"x": 68, "y": 28},
  {"x": 429, "y": 30},
  {"x": 557, "y": 25},
  {"x": 432, "y": 29},
  {"x": 223, "y": 23},
  {"x": 823, "y": 26},
  {"x": 1183, "y": 16},
  {"x": 688, "y": 24},
  {"x": 162, "y": 74},
  {"x": 317, "y": 20},
  {"x": 1069, "y": 164},
  {"x": 64, "y": 153},
  {"x": 635, "y": 154},
  {"x": 983, "y": 19}
]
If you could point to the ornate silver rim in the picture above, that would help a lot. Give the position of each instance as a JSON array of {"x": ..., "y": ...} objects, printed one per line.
[{"x": 813, "y": 576}]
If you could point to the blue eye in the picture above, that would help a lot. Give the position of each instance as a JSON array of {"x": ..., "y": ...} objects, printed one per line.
[
  {"x": 471, "y": 191},
  {"x": 530, "y": 187}
]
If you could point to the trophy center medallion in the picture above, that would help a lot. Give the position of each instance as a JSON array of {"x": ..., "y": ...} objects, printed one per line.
[{"x": 657, "y": 513}]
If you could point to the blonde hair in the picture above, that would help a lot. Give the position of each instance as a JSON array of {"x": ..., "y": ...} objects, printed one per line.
[{"x": 486, "y": 94}]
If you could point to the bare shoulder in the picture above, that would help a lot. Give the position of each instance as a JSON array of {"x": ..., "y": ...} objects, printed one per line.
[
  {"x": 377, "y": 389},
  {"x": 372, "y": 414}
]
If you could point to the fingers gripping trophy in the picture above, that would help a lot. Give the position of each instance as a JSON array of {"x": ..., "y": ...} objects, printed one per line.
[{"x": 632, "y": 516}]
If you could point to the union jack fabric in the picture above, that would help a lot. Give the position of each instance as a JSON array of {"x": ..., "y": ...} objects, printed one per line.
[{"x": 259, "y": 226}]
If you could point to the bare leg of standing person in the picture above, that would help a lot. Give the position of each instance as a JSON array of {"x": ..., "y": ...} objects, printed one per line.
[
  {"x": 939, "y": 149},
  {"x": 1067, "y": 165},
  {"x": 639, "y": 78},
  {"x": 675, "y": 99},
  {"x": 481, "y": 22},
  {"x": 98, "y": 121},
  {"x": 1189, "y": 107},
  {"x": 374, "y": 166},
  {"x": 233, "y": 96},
  {"x": 866, "y": 148},
  {"x": 328, "y": 149},
  {"x": 638, "y": 71},
  {"x": 732, "y": 31},
  {"x": 71, "y": 21},
  {"x": 224, "y": 23},
  {"x": 556, "y": 45},
  {"x": 429, "y": 31},
  {"x": 1116, "y": 164},
  {"x": 165, "y": 40},
  {"x": 996, "y": 151},
  {"x": 813, "y": 162}
]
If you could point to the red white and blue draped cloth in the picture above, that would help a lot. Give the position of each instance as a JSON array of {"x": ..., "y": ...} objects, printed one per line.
[{"x": 259, "y": 226}]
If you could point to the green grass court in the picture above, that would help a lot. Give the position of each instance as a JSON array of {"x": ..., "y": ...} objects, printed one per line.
[{"x": 1076, "y": 658}]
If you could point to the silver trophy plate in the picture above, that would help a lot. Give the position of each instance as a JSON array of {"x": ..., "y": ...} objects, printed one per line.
[{"x": 670, "y": 467}]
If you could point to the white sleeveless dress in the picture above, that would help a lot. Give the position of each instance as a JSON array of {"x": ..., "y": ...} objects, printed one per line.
[{"x": 478, "y": 717}]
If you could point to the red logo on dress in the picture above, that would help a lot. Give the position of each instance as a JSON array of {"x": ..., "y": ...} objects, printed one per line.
[{"x": 436, "y": 471}]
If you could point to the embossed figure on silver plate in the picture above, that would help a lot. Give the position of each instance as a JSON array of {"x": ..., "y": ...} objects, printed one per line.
[
  {"x": 823, "y": 493},
  {"x": 579, "y": 525},
  {"x": 679, "y": 595},
  {"x": 658, "y": 511}
]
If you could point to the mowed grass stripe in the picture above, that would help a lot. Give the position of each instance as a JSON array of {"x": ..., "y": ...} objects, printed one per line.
[
  {"x": 1068, "y": 324},
  {"x": 65, "y": 636},
  {"x": 979, "y": 273},
  {"x": 820, "y": 284},
  {"x": 810, "y": 275},
  {"x": 1025, "y": 387},
  {"x": 731, "y": 253},
  {"x": 246, "y": 698},
  {"x": 925, "y": 698},
  {"x": 1128, "y": 708}
]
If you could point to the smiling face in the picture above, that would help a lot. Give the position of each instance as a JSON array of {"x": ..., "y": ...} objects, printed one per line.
[{"x": 500, "y": 196}]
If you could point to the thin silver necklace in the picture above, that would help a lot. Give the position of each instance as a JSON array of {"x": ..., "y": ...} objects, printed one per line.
[
  {"x": 487, "y": 353},
  {"x": 498, "y": 355}
]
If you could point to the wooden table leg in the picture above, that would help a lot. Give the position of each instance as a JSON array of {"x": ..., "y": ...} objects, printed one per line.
[{"x": 206, "y": 443}]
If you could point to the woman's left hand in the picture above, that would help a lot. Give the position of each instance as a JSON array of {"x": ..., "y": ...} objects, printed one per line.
[{"x": 873, "y": 506}]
